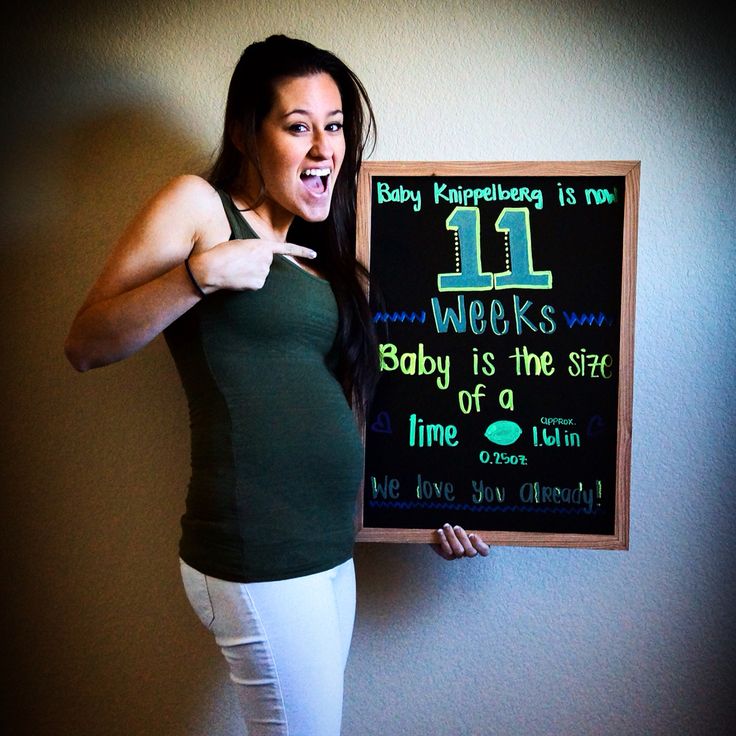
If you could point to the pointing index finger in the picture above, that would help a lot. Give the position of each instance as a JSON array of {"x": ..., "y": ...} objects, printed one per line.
[{"x": 291, "y": 249}]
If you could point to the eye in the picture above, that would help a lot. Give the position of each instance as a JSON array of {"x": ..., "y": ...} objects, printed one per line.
[
  {"x": 334, "y": 127},
  {"x": 298, "y": 128}
]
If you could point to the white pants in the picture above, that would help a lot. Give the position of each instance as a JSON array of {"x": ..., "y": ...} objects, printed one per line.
[{"x": 286, "y": 643}]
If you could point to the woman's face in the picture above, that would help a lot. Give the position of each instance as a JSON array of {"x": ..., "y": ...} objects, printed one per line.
[{"x": 301, "y": 146}]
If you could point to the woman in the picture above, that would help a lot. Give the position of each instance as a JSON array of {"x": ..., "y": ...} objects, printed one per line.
[{"x": 275, "y": 349}]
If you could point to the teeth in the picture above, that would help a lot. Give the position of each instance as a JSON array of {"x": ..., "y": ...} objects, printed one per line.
[{"x": 316, "y": 172}]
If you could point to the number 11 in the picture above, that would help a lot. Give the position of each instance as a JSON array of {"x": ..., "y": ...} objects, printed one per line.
[{"x": 519, "y": 274}]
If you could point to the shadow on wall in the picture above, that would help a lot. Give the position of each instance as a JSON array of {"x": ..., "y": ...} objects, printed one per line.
[{"x": 101, "y": 636}]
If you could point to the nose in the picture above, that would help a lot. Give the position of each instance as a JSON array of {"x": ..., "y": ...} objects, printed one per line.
[{"x": 322, "y": 147}]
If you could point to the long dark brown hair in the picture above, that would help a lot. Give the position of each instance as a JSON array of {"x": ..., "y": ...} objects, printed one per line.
[{"x": 250, "y": 98}]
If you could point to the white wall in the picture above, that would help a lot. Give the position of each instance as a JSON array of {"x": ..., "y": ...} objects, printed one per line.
[{"x": 103, "y": 102}]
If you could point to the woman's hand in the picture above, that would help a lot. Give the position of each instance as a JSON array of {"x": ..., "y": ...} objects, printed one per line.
[
  {"x": 240, "y": 264},
  {"x": 455, "y": 543}
]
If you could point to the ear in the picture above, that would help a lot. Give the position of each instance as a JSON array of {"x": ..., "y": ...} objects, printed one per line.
[{"x": 236, "y": 136}]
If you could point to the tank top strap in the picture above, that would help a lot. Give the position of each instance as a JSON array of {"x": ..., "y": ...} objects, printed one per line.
[{"x": 239, "y": 226}]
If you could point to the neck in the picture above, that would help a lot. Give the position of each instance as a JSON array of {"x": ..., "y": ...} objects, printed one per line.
[
  {"x": 266, "y": 227},
  {"x": 269, "y": 223}
]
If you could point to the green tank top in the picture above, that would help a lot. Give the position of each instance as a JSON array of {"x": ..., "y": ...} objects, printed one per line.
[{"x": 275, "y": 451}]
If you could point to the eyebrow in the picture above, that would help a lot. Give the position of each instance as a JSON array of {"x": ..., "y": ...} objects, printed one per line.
[{"x": 300, "y": 111}]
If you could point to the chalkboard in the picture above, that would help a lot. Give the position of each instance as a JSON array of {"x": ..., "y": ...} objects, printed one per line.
[{"x": 503, "y": 296}]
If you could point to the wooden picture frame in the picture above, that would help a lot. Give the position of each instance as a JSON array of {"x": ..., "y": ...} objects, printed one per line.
[{"x": 569, "y": 229}]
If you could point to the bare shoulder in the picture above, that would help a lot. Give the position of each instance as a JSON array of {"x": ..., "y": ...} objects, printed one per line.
[
  {"x": 189, "y": 187},
  {"x": 195, "y": 205},
  {"x": 188, "y": 196},
  {"x": 186, "y": 214}
]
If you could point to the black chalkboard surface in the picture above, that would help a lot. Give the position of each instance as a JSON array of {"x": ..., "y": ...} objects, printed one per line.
[{"x": 503, "y": 295}]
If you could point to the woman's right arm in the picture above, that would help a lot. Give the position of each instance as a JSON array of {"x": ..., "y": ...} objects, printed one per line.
[{"x": 144, "y": 285}]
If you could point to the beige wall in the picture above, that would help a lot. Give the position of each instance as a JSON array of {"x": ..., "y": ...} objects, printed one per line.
[{"x": 103, "y": 102}]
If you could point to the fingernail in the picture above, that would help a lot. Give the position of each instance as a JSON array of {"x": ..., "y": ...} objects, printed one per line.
[
  {"x": 447, "y": 526},
  {"x": 312, "y": 254}
]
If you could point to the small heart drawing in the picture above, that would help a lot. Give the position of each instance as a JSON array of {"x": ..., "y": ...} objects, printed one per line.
[{"x": 382, "y": 423}]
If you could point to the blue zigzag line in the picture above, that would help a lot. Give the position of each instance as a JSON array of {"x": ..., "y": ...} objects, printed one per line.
[
  {"x": 465, "y": 507},
  {"x": 587, "y": 319},
  {"x": 400, "y": 317}
]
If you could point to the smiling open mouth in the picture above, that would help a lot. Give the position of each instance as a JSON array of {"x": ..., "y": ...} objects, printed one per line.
[{"x": 316, "y": 180}]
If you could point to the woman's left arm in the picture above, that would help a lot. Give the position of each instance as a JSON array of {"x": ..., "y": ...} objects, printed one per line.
[{"x": 455, "y": 543}]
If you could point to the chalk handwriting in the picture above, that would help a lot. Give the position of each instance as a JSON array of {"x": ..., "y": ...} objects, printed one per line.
[
  {"x": 464, "y": 222},
  {"x": 399, "y": 195},
  {"x": 417, "y": 363},
  {"x": 495, "y": 317},
  {"x": 493, "y": 193}
]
